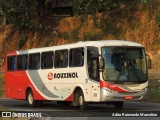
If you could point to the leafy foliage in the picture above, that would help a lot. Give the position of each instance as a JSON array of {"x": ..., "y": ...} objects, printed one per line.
[
  {"x": 22, "y": 41},
  {"x": 74, "y": 35},
  {"x": 3, "y": 5},
  {"x": 20, "y": 12},
  {"x": 90, "y": 7},
  {"x": 24, "y": 13}
]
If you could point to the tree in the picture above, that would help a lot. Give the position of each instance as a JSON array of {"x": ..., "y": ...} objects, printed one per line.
[
  {"x": 91, "y": 7},
  {"x": 41, "y": 7},
  {"x": 20, "y": 12}
]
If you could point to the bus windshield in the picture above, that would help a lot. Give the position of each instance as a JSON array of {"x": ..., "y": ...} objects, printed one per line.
[{"x": 124, "y": 64}]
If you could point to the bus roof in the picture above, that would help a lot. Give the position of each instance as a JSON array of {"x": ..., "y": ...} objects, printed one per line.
[{"x": 83, "y": 44}]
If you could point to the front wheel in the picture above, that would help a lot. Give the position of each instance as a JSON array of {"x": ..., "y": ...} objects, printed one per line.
[
  {"x": 118, "y": 105},
  {"x": 30, "y": 99},
  {"x": 83, "y": 105}
]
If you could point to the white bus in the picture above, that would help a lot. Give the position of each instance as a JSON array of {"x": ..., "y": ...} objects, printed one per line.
[{"x": 108, "y": 71}]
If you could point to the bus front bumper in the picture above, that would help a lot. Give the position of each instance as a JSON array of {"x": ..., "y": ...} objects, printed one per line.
[{"x": 113, "y": 96}]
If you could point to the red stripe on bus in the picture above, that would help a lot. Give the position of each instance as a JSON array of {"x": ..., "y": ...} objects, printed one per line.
[
  {"x": 114, "y": 87},
  {"x": 70, "y": 98}
]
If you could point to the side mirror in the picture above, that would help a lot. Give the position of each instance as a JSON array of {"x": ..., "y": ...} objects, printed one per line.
[
  {"x": 101, "y": 63},
  {"x": 149, "y": 63}
]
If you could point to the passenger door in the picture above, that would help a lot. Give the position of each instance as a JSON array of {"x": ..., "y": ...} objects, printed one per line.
[{"x": 93, "y": 71}]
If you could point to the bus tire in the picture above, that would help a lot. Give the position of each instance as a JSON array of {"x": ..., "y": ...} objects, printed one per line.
[
  {"x": 82, "y": 104},
  {"x": 30, "y": 99},
  {"x": 118, "y": 105}
]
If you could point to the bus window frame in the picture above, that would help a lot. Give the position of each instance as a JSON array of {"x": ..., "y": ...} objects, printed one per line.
[
  {"x": 70, "y": 57},
  {"x": 29, "y": 61},
  {"x": 55, "y": 59},
  {"x": 52, "y": 60},
  {"x": 9, "y": 64}
]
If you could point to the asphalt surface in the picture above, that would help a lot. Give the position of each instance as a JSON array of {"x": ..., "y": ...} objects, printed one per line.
[
  {"x": 21, "y": 105},
  {"x": 52, "y": 109}
]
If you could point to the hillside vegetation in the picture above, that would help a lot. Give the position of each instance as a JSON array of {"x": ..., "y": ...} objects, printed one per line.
[{"x": 135, "y": 22}]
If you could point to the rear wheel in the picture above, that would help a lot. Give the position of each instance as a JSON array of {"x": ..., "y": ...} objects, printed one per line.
[
  {"x": 31, "y": 101},
  {"x": 118, "y": 105}
]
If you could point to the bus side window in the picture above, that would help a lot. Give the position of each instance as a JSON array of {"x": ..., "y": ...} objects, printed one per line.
[
  {"x": 34, "y": 61},
  {"x": 22, "y": 62},
  {"x": 47, "y": 60},
  {"x": 76, "y": 57},
  {"x": 11, "y": 63},
  {"x": 61, "y": 59}
]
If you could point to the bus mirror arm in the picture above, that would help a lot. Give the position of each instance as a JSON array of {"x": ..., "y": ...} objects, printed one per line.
[{"x": 149, "y": 63}]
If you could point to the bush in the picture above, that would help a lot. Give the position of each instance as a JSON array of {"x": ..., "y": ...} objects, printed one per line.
[
  {"x": 20, "y": 13},
  {"x": 64, "y": 35},
  {"x": 90, "y": 36},
  {"x": 158, "y": 19},
  {"x": 74, "y": 35},
  {"x": 22, "y": 41}
]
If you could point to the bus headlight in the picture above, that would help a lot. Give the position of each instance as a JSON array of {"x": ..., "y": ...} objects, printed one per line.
[{"x": 143, "y": 90}]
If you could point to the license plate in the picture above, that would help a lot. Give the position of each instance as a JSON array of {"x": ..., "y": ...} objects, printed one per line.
[{"x": 128, "y": 98}]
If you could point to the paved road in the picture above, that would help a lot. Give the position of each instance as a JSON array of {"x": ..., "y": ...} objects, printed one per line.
[
  {"x": 53, "y": 111},
  {"x": 56, "y": 110},
  {"x": 52, "y": 106}
]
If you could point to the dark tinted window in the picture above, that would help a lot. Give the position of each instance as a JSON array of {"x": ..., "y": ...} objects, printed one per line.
[
  {"x": 61, "y": 59},
  {"x": 34, "y": 61},
  {"x": 22, "y": 62},
  {"x": 76, "y": 57},
  {"x": 47, "y": 60},
  {"x": 11, "y": 63}
]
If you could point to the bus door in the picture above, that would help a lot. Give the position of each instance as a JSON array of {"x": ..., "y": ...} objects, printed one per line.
[{"x": 93, "y": 71}]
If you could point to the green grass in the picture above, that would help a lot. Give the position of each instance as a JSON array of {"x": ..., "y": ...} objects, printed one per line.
[{"x": 153, "y": 91}]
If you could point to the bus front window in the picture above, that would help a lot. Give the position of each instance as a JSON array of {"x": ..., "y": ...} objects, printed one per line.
[{"x": 124, "y": 64}]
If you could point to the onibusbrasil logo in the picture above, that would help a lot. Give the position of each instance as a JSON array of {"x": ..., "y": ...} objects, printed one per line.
[{"x": 20, "y": 114}]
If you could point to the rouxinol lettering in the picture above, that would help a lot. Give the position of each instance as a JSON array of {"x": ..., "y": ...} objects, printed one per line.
[{"x": 65, "y": 75}]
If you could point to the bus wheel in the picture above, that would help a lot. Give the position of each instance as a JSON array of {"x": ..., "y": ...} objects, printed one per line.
[
  {"x": 118, "y": 105},
  {"x": 30, "y": 99},
  {"x": 83, "y": 105}
]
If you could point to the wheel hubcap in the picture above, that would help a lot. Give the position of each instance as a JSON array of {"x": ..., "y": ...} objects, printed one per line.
[
  {"x": 80, "y": 100},
  {"x": 30, "y": 99}
]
